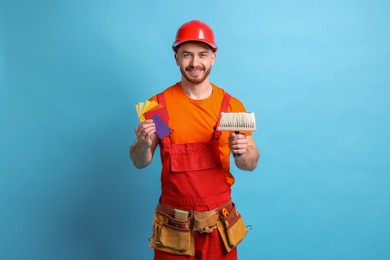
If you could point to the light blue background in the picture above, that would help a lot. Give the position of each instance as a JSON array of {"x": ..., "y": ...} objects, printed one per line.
[{"x": 316, "y": 73}]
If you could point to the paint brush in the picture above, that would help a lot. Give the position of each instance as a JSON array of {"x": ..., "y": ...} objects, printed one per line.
[{"x": 237, "y": 122}]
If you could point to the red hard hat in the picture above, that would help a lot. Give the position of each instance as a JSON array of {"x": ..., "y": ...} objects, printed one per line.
[{"x": 195, "y": 31}]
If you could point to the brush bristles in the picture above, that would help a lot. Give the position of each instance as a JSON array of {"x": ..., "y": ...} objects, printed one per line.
[{"x": 237, "y": 121}]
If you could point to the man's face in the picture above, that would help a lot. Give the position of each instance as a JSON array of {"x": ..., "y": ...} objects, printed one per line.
[{"x": 195, "y": 60}]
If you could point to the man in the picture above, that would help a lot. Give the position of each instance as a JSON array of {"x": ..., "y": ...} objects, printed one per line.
[{"x": 195, "y": 218}]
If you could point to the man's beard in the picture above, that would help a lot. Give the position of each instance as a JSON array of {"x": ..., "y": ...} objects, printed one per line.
[{"x": 194, "y": 80}]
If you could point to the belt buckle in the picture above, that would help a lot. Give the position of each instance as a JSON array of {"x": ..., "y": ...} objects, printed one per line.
[{"x": 205, "y": 229}]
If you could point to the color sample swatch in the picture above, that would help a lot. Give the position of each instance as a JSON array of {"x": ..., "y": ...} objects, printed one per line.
[{"x": 153, "y": 110}]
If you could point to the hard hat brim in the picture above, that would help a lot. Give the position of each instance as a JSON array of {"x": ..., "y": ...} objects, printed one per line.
[{"x": 176, "y": 45}]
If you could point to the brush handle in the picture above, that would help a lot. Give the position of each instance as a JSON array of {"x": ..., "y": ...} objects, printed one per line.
[{"x": 236, "y": 154}]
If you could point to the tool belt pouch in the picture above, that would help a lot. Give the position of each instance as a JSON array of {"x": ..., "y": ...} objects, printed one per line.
[
  {"x": 232, "y": 229},
  {"x": 172, "y": 235}
]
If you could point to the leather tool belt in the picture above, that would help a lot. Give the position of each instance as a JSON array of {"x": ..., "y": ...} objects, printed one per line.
[{"x": 174, "y": 234}]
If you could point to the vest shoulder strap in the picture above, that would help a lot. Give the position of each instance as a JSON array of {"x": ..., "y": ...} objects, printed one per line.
[
  {"x": 224, "y": 107},
  {"x": 161, "y": 99}
]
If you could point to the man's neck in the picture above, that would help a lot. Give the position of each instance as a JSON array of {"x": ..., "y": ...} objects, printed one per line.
[{"x": 197, "y": 91}]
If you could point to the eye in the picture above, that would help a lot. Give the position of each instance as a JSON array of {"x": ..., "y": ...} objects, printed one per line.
[{"x": 186, "y": 55}]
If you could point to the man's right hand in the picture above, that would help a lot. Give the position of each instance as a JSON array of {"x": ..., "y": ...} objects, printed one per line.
[
  {"x": 142, "y": 150},
  {"x": 144, "y": 132}
]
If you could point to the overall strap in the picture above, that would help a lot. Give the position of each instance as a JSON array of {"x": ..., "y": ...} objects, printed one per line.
[
  {"x": 161, "y": 99},
  {"x": 224, "y": 107}
]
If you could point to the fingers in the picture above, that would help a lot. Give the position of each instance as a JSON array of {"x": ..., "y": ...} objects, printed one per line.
[
  {"x": 145, "y": 130},
  {"x": 238, "y": 143}
]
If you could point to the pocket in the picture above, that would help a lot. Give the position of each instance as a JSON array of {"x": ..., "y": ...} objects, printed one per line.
[
  {"x": 171, "y": 235},
  {"x": 175, "y": 238},
  {"x": 192, "y": 157},
  {"x": 236, "y": 232},
  {"x": 232, "y": 229}
]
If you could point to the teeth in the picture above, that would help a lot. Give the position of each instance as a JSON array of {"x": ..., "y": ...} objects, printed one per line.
[{"x": 194, "y": 69}]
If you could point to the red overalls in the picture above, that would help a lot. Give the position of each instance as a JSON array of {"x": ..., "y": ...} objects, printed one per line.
[{"x": 193, "y": 179}]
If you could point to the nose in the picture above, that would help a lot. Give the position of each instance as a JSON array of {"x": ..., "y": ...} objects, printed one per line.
[{"x": 194, "y": 61}]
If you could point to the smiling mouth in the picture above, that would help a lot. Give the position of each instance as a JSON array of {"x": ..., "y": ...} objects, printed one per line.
[{"x": 194, "y": 71}]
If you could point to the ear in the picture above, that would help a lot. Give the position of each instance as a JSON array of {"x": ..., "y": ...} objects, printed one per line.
[
  {"x": 176, "y": 58},
  {"x": 213, "y": 58}
]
